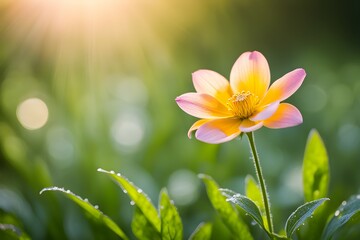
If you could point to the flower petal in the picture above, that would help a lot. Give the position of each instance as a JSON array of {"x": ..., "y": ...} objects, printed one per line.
[
  {"x": 250, "y": 126},
  {"x": 212, "y": 83},
  {"x": 196, "y": 125},
  {"x": 287, "y": 115},
  {"x": 202, "y": 106},
  {"x": 250, "y": 73},
  {"x": 266, "y": 112},
  {"x": 219, "y": 130},
  {"x": 285, "y": 86}
]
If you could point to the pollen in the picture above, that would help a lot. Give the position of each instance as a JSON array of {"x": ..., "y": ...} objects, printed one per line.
[{"x": 242, "y": 104}]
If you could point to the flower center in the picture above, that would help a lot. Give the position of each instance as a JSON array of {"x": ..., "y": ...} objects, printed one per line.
[{"x": 242, "y": 104}]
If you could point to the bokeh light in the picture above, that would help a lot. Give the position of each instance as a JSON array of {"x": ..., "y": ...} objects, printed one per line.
[
  {"x": 128, "y": 130},
  {"x": 32, "y": 113},
  {"x": 184, "y": 187}
]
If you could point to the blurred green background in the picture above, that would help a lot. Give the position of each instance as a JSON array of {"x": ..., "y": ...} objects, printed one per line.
[{"x": 102, "y": 77}]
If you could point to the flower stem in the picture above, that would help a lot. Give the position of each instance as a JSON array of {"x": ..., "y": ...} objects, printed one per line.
[{"x": 261, "y": 182}]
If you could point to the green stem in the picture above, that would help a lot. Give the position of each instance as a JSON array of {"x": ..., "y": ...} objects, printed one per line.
[{"x": 261, "y": 181}]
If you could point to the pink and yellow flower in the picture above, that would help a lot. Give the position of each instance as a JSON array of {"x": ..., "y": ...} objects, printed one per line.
[{"x": 243, "y": 104}]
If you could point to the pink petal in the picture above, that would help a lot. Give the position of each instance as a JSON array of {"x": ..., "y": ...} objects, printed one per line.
[
  {"x": 218, "y": 131},
  {"x": 287, "y": 115},
  {"x": 250, "y": 126},
  {"x": 250, "y": 73},
  {"x": 196, "y": 125},
  {"x": 212, "y": 83},
  {"x": 285, "y": 86},
  {"x": 202, "y": 106},
  {"x": 266, "y": 112}
]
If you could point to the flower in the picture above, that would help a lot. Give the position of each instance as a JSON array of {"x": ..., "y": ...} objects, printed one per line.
[{"x": 243, "y": 104}]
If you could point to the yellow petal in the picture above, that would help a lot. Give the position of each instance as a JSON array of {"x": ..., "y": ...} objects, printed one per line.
[
  {"x": 219, "y": 130},
  {"x": 202, "y": 106},
  {"x": 196, "y": 125},
  {"x": 213, "y": 84},
  {"x": 287, "y": 115},
  {"x": 285, "y": 86},
  {"x": 250, "y": 73},
  {"x": 250, "y": 126}
]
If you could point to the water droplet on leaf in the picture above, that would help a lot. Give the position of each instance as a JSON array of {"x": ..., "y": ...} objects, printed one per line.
[
  {"x": 139, "y": 190},
  {"x": 132, "y": 203},
  {"x": 337, "y": 213},
  {"x": 343, "y": 203}
]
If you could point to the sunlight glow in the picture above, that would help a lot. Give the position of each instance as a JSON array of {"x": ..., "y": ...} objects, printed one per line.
[
  {"x": 32, "y": 113},
  {"x": 74, "y": 28}
]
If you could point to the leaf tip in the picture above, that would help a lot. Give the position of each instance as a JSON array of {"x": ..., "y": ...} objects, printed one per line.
[
  {"x": 202, "y": 176},
  {"x": 51, "y": 189},
  {"x": 101, "y": 170},
  {"x": 313, "y": 131},
  {"x": 164, "y": 191}
]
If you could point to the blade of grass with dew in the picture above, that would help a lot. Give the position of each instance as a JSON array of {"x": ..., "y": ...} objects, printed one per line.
[
  {"x": 347, "y": 210},
  {"x": 91, "y": 209},
  {"x": 299, "y": 216},
  {"x": 139, "y": 198}
]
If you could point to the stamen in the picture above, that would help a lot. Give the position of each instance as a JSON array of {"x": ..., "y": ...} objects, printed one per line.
[{"x": 242, "y": 104}]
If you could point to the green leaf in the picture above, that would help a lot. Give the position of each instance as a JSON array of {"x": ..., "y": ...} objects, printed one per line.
[
  {"x": 247, "y": 205},
  {"x": 142, "y": 227},
  {"x": 138, "y": 197},
  {"x": 171, "y": 225},
  {"x": 299, "y": 216},
  {"x": 347, "y": 210},
  {"x": 91, "y": 209},
  {"x": 253, "y": 192},
  {"x": 315, "y": 168},
  {"x": 277, "y": 237},
  {"x": 227, "y": 212},
  {"x": 202, "y": 232}
]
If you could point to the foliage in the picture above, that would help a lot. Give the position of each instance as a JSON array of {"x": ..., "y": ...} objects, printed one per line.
[
  {"x": 164, "y": 222},
  {"x": 227, "y": 212},
  {"x": 315, "y": 168},
  {"x": 346, "y": 211}
]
